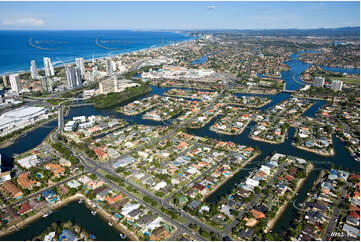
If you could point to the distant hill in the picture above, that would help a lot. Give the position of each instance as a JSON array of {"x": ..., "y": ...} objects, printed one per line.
[{"x": 321, "y": 32}]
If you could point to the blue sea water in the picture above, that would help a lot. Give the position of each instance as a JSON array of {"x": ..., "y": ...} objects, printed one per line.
[{"x": 16, "y": 50}]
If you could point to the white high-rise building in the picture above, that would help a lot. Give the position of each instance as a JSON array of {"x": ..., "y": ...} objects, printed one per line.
[
  {"x": 73, "y": 76},
  {"x": 109, "y": 67},
  {"x": 49, "y": 69},
  {"x": 319, "y": 81},
  {"x": 15, "y": 83},
  {"x": 70, "y": 77},
  {"x": 78, "y": 76},
  {"x": 114, "y": 66},
  {"x": 336, "y": 85},
  {"x": 80, "y": 64},
  {"x": 33, "y": 70},
  {"x": 44, "y": 84}
]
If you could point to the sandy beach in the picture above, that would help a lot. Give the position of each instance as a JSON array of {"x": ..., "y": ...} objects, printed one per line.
[{"x": 281, "y": 210}]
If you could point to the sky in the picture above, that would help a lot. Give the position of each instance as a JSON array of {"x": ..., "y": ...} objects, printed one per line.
[{"x": 178, "y": 15}]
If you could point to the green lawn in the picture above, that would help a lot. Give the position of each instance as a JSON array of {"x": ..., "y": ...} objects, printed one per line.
[{"x": 348, "y": 80}]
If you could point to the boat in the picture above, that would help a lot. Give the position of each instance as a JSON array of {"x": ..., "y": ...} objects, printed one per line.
[
  {"x": 80, "y": 201},
  {"x": 110, "y": 224},
  {"x": 123, "y": 236},
  {"x": 94, "y": 212},
  {"x": 47, "y": 214}
]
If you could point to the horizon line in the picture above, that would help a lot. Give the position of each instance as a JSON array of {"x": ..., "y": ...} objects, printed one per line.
[{"x": 200, "y": 29}]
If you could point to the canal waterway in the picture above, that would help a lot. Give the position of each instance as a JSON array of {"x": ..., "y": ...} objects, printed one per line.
[
  {"x": 342, "y": 159},
  {"x": 78, "y": 214}
]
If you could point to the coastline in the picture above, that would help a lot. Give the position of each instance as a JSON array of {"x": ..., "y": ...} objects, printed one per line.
[
  {"x": 101, "y": 57},
  {"x": 281, "y": 210},
  {"x": 229, "y": 177}
]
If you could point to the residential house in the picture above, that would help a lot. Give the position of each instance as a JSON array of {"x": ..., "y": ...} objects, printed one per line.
[
  {"x": 24, "y": 208},
  {"x": 57, "y": 169},
  {"x": 12, "y": 190},
  {"x": 25, "y": 182},
  {"x": 159, "y": 233}
]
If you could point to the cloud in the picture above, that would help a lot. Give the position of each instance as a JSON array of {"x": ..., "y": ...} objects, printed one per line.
[
  {"x": 211, "y": 7},
  {"x": 23, "y": 22}
]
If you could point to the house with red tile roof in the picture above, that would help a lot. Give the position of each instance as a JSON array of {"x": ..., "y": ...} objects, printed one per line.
[
  {"x": 354, "y": 177},
  {"x": 12, "y": 189},
  {"x": 355, "y": 215},
  {"x": 25, "y": 183},
  {"x": 25, "y": 208},
  {"x": 101, "y": 153},
  {"x": 257, "y": 214},
  {"x": 200, "y": 187},
  {"x": 112, "y": 200},
  {"x": 354, "y": 208},
  {"x": 248, "y": 149},
  {"x": 289, "y": 178},
  {"x": 57, "y": 169}
]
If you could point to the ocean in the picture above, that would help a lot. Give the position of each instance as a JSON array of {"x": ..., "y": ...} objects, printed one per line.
[{"x": 18, "y": 48}]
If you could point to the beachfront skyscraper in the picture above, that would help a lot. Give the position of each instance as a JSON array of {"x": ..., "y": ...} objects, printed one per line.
[
  {"x": 49, "y": 69},
  {"x": 44, "y": 84},
  {"x": 70, "y": 77},
  {"x": 109, "y": 67},
  {"x": 78, "y": 76},
  {"x": 33, "y": 70},
  {"x": 80, "y": 64},
  {"x": 5, "y": 81},
  {"x": 15, "y": 83},
  {"x": 73, "y": 77}
]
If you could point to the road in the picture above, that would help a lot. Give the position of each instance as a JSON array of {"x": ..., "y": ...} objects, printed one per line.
[
  {"x": 250, "y": 205},
  {"x": 92, "y": 167},
  {"x": 331, "y": 225},
  {"x": 46, "y": 188}
]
